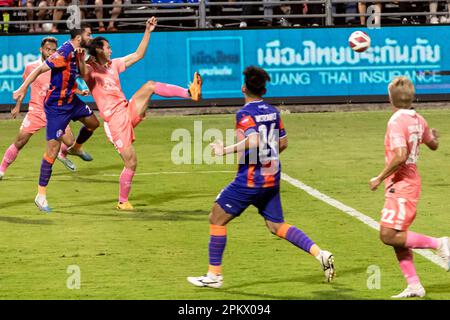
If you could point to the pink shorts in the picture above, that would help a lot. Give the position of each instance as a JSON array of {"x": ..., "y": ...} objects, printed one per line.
[
  {"x": 120, "y": 128},
  {"x": 33, "y": 122},
  {"x": 398, "y": 213}
]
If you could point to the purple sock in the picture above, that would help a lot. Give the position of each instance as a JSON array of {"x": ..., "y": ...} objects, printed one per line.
[
  {"x": 216, "y": 249},
  {"x": 46, "y": 173},
  {"x": 299, "y": 238},
  {"x": 84, "y": 135}
]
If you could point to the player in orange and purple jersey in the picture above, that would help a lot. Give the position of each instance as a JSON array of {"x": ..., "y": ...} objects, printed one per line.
[
  {"x": 61, "y": 105},
  {"x": 406, "y": 130},
  {"x": 121, "y": 116},
  {"x": 261, "y": 137},
  {"x": 35, "y": 118}
]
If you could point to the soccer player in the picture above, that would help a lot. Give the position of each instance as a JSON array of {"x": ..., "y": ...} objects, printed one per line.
[
  {"x": 121, "y": 116},
  {"x": 261, "y": 136},
  {"x": 61, "y": 105},
  {"x": 35, "y": 118},
  {"x": 406, "y": 130}
]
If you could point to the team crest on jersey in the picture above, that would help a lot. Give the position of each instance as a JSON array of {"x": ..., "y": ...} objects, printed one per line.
[{"x": 119, "y": 144}]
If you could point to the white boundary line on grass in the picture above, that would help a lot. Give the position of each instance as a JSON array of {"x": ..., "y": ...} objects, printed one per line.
[{"x": 354, "y": 213}]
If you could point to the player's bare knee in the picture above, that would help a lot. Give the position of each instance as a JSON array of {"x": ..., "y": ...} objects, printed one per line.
[
  {"x": 150, "y": 85},
  {"x": 273, "y": 227},
  {"x": 386, "y": 237}
]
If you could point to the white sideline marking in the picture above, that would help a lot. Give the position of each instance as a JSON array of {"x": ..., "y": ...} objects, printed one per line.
[{"x": 355, "y": 213}]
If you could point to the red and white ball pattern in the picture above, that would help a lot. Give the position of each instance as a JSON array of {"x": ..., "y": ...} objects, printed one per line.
[{"x": 359, "y": 41}]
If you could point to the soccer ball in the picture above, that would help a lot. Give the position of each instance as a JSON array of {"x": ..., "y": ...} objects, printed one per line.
[
  {"x": 47, "y": 27},
  {"x": 359, "y": 41}
]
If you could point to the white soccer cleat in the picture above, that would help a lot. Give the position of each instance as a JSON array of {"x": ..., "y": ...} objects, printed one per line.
[
  {"x": 443, "y": 251},
  {"x": 416, "y": 291},
  {"x": 2, "y": 174},
  {"x": 208, "y": 280},
  {"x": 326, "y": 259},
  {"x": 41, "y": 203},
  {"x": 66, "y": 162}
]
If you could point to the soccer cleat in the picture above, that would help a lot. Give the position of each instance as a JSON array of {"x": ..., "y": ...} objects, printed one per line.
[
  {"x": 443, "y": 251},
  {"x": 411, "y": 292},
  {"x": 66, "y": 162},
  {"x": 195, "y": 88},
  {"x": 208, "y": 280},
  {"x": 2, "y": 174},
  {"x": 327, "y": 262},
  {"x": 82, "y": 154},
  {"x": 125, "y": 206},
  {"x": 42, "y": 204}
]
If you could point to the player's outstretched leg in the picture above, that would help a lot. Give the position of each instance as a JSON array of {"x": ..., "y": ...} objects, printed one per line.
[
  {"x": 12, "y": 151},
  {"x": 90, "y": 124},
  {"x": 217, "y": 242},
  {"x": 299, "y": 239},
  {"x": 142, "y": 97},
  {"x": 168, "y": 90},
  {"x": 48, "y": 160},
  {"x": 126, "y": 178},
  {"x": 68, "y": 140}
]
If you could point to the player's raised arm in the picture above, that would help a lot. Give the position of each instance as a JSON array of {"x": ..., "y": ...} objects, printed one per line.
[
  {"x": 140, "y": 52},
  {"x": 20, "y": 93},
  {"x": 81, "y": 56},
  {"x": 250, "y": 142}
]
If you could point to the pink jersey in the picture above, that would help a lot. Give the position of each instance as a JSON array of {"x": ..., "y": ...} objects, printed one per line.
[
  {"x": 406, "y": 128},
  {"x": 104, "y": 84},
  {"x": 39, "y": 87}
]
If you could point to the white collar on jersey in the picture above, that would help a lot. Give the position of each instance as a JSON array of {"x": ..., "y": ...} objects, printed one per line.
[{"x": 256, "y": 101}]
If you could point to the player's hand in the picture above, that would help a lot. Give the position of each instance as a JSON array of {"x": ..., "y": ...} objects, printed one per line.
[
  {"x": 85, "y": 93},
  {"x": 81, "y": 54},
  {"x": 217, "y": 148},
  {"x": 19, "y": 95},
  {"x": 435, "y": 133},
  {"x": 151, "y": 24},
  {"x": 374, "y": 183},
  {"x": 16, "y": 110}
]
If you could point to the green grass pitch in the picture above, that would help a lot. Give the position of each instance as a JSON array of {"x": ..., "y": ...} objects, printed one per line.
[{"x": 149, "y": 253}]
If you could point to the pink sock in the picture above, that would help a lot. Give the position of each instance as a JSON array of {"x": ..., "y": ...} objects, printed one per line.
[
  {"x": 416, "y": 240},
  {"x": 64, "y": 149},
  {"x": 405, "y": 259},
  {"x": 169, "y": 90},
  {"x": 126, "y": 178},
  {"x": 9, "y": 157}
]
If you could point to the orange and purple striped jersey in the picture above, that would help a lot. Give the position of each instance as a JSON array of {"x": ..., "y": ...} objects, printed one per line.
[
  {"x": 259, "y": 168},
  {"x": 63, "y": 77}
]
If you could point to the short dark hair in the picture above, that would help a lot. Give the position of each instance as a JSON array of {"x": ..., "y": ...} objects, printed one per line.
[
  {"x": 78, "y": 32},
  {"x": 48, "y": 39},
  {"x": 96, "y": 43},
  {"x": 255, "y": 80}
]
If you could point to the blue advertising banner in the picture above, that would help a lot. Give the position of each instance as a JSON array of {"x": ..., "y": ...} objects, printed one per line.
[{"x": 302, "y": 62}]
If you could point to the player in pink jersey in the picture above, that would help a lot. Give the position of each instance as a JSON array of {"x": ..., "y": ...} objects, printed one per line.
[
  {"x": 35, "y": 119},
  {"x": 406, "y": 130},
  {"x": 121, "y": 116}
]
